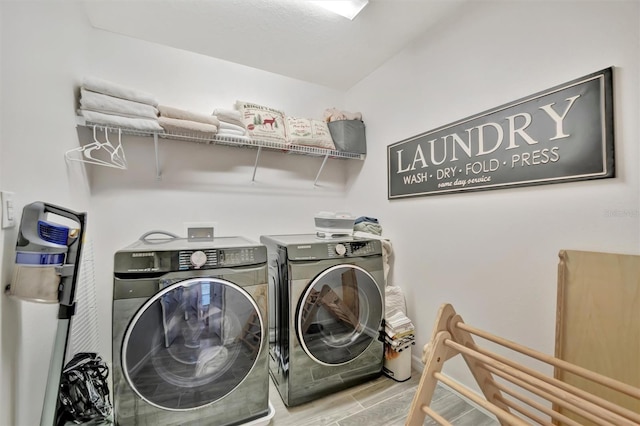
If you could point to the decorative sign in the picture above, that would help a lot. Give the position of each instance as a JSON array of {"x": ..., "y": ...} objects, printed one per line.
[{"x": 558, "y": 135}]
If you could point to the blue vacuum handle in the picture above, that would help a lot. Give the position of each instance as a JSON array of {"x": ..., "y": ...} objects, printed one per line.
[{"x": 69, "y": 282}]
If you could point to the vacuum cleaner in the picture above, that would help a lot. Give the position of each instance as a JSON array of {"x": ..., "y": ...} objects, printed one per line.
[{"x": 46, "y": 271}]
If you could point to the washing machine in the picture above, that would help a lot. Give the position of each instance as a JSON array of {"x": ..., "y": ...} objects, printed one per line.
[
  {"x": 189, "y": 332},
  {"x": 326, "y": 314}
]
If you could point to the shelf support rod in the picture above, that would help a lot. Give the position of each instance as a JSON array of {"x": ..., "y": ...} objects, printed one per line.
[
  {"x": 315, "y": 183},
  {"x": 255, "y": 166},
  {"x": 155, "y": 145}
]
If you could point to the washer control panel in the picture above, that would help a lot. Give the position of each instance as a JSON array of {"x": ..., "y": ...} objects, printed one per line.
[
  {"x": 146, "y": 259},
  {"x": 240, "y": 256},
  {"x": 203, "y": 259},
  {"x": 197, "y": 259}
]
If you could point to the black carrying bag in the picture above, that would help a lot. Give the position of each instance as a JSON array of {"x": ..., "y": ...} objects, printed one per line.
[{"x": 84, "y": 390}]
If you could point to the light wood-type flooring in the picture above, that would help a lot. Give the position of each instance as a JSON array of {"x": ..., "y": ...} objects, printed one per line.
[{"x": 380, "y": 402}]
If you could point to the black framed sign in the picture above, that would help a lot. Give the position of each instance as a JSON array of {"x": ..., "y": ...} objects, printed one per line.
[{"x": 561, "y": 134}]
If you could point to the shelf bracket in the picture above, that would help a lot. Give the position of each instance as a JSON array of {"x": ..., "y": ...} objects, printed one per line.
[
  {"x": 255, "y": 166},
  {"x": 315, "y": 183},
  {"x": 155, "y": 145}
]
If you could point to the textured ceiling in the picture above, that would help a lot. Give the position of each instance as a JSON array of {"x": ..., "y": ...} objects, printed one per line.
[{"x": 294, "y": 38}]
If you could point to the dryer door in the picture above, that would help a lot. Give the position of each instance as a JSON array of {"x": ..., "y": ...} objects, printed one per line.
[
  {"x": 339, "y": 314},
  {"x": 192, "y": 343}
]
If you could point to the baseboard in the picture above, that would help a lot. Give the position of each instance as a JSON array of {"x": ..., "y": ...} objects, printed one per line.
[{"x": 416, "y": 363}]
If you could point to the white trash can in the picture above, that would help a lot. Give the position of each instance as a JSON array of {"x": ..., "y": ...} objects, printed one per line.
[{"x": 397, "y": 365}]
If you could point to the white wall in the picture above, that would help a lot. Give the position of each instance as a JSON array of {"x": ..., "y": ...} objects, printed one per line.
[
  {"x": 493, "y": 254},
  {"x": 40, "y": 52},
  {"x": 6, "y": 360},
  {"x": 47, "y": 48}
]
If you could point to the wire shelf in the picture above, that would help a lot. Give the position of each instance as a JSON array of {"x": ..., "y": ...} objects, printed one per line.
[
  {"x": 227, "y": 141},
  {"x": 230, "y": 141}
]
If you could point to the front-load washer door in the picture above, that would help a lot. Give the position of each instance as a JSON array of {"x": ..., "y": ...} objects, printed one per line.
[
  {"x": 192, "y": 343},
  {"x": 339, "y": 314}
]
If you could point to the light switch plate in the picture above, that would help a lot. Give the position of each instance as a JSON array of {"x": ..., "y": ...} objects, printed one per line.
[{"x": 9, "y": 211}]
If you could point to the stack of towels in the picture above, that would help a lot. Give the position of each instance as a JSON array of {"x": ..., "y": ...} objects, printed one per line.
[
  {"x": 104, "y": 102},
  {"x": 231, "y": 124},
  {"x": 187, "y": 123},
  {"x": 367, "y": 224},
  {"x": 399, "y": 331}
]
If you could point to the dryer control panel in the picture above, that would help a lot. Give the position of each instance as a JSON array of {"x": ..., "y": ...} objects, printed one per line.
[
  {"x": 351, "y": 248},
  {"x": 333, "y": 250}
]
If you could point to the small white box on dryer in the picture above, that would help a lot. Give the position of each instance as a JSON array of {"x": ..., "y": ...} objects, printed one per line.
[{"x": 330, "y": 223}]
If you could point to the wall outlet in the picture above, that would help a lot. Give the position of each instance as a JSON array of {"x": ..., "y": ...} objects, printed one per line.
[
  {"x": 9, "y": 211},
  {"x": 200, "y": 231}
]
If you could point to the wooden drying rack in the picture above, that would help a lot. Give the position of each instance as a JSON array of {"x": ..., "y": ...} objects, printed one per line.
[{"x": 545, "y": 401}]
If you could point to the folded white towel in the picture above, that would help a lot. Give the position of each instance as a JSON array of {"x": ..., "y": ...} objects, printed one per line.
[
  {"x": 233, "y": 127},
  {"x": 95, "y": 101},
  {"x": 230, "y": 132},
  {"x": 232, "y": 116},
  {"x": 113, "y": 89},
  {"x": 181, "y": 114},
  {"x": 146, "y": 124},
  {"x": 222, "y": 134},
  {"x": 187, "y": 128}
]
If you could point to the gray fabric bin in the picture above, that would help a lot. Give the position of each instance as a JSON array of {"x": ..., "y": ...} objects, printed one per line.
[{"x": 348, "y": 135}]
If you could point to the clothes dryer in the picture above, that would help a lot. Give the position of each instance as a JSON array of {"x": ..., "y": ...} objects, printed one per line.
[
  {"x": 326, "y": 314},
  {"x": 189, "y": 332}
]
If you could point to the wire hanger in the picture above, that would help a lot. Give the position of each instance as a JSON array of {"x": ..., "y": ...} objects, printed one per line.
[
  {"x": 113, "y": 155},
  {"x": 117, "y": 155}
]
